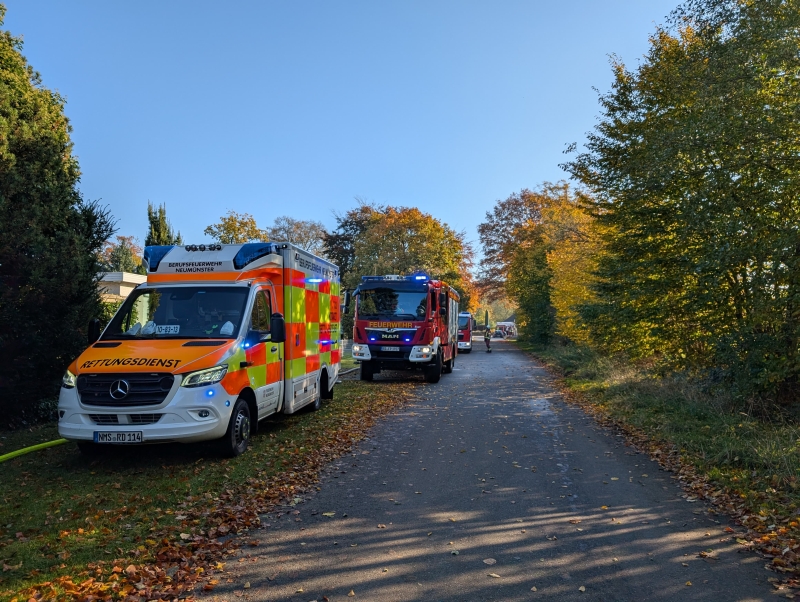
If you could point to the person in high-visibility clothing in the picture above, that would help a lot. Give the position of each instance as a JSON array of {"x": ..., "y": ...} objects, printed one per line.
[{"x": 487, "y": 338}]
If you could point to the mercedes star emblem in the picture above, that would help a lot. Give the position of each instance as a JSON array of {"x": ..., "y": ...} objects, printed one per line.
[{"x": 119, "y": 389}]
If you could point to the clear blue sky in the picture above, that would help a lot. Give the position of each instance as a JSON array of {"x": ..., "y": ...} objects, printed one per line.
[{"x": 294, "y": 108}]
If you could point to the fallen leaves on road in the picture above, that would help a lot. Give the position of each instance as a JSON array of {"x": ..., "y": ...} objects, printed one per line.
[{"x": 489, "y": 561}]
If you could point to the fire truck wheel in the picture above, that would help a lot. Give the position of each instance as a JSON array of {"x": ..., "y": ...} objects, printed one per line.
[
  {"x": 366, "y": 371},
  {"x": 450, "y": 364},
  {"x": 433, "y": 371},
  {"x": 235, "y": 441}
]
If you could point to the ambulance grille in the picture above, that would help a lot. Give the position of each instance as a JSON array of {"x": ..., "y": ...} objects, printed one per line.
[
  {"x": 104, "y": 418},
  {"x": 144, "y": 418},
  {"x": 143, "y": 389}
]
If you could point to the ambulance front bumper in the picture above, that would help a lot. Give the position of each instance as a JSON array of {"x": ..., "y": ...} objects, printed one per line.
[{"x": 186, "y": 415}]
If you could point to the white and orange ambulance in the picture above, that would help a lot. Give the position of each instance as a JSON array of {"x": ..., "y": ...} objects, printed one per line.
[{"x": 218, "y": 338}]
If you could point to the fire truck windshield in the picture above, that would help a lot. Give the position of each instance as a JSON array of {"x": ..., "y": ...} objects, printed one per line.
[
  {"x": 180, "y": 312},
  {"x": 463, "y": 321},
  {"x": 386, "y": 303}
]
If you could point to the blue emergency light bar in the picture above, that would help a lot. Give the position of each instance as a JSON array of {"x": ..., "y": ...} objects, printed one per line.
[
  {"x": 153, "y": 256},
  {"x": 393, "y": 278}
]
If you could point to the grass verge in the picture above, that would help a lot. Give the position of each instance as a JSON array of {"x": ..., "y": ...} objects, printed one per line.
[
  {"x": 154, "y": 521},
  {"x": 747, "y": 466}
]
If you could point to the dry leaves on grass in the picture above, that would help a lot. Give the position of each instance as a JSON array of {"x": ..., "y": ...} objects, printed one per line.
[{"x": 182, "y": 564}]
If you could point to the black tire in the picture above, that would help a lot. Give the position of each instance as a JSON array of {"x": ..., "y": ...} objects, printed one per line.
[
  {"x": 90, "y": 449},
  {"x": 236, "y": 438},
  {"x": 449, "y": 365},
  {"x": 366, "y": 371},
  {"x": 317, "y": 403},
  {"x": 325, "y": 392},
  {"x": 433, "y": 372}
]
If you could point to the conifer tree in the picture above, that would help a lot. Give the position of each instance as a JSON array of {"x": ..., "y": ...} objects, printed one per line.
[
  {"x": 49, "y": 239},
  {"x": 160, "y": 230}
]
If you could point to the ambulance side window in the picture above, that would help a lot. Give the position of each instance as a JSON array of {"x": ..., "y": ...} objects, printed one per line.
[{"x": 259, "y": 319}]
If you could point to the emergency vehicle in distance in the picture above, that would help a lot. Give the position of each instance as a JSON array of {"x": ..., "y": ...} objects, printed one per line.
[
  {"x": 405, "y": 323},
  {"x": 202, "y": 350},
  {"x": 466, "y": 324}
]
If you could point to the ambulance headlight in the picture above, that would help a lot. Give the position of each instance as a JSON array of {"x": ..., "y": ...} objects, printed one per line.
[
  {"x": 69, "y": 380},
  {"x": 204, "y": 377}
]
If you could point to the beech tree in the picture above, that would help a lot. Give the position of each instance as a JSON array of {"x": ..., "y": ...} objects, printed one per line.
[
  {"x": 236, "y": 228},
  {"x": 306, "y": 234},
  {"x": 49, "y": 239},
  {"x": 695, "y": 171}
]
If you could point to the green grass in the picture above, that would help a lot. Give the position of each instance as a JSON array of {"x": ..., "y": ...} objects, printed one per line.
[
  {"x": 756, "y": 461},
  {"x": 60, "y": 511}
]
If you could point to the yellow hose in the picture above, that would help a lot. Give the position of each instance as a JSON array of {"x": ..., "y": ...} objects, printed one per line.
[{"x": 26, "y": 450}]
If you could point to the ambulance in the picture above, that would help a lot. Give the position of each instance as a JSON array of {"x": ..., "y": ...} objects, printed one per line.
[{"x": 218, "y": 338}]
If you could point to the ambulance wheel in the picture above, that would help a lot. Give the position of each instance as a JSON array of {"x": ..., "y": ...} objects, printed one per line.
[
  {"x": 317, "y": 403},
  {"x": 90, "y": 449},
  {"x": 366, "y": 371},
  {"x": 433, "y": 372},
  {"x": 235, "y": 441}
]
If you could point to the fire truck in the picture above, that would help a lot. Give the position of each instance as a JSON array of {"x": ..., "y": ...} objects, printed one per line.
[
  {"x": 219, "y": 337},
  {"x": 466, "y": 324},
  {"x": 405, "y": 323}
]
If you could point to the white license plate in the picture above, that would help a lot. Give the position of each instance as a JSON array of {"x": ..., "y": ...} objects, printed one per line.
[
  {"x": 385, "y": 348},
  {"x": 118, "y": 436},
  {"x": 168, "y": 329}
]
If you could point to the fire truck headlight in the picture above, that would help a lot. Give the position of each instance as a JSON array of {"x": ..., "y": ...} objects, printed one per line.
[
  {"x": 357, "y": 348},
  {"x": 205, "y": 377},
  {"x": 69, "y": 380},
  {"x": 425, "y": 350}
]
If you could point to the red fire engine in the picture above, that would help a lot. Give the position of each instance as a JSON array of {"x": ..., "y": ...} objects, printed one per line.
[
  {"x": 466, "y": 324},
  {"x": 405, "y": 323}
]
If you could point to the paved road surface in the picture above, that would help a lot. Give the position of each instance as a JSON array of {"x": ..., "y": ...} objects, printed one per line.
[{"x": 490, "y": 466}]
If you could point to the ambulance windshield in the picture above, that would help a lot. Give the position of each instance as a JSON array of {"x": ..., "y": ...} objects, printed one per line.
[
  {"x": 185, "y": 312},
  {"x": 386, "y": 303}
]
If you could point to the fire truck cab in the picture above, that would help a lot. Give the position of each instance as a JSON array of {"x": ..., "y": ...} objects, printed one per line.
[
  {"x": 466, "y": 324},
  {"x": 405, "y": 323}
]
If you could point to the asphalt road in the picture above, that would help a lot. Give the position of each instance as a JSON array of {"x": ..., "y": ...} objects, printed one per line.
[{"x": 486, "y": 487}]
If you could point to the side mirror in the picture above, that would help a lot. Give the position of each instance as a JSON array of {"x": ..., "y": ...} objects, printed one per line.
[
  {"x": 442, "y": 311},
  {"x": 93, "y": 332},
  {"x": 277, "y": 327},
  {"x": 346, "y": 302},
  {"x": 442, "y": 300}
]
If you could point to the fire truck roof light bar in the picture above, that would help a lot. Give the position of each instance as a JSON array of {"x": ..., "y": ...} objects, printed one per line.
[{"x": 393, "y": 277}]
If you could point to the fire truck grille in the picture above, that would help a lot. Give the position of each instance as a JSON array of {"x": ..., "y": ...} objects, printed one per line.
[
  {"x": 376, "y": 353},
  {"x": 460, "y": 336},
  {"x": 124, "y": 390}
]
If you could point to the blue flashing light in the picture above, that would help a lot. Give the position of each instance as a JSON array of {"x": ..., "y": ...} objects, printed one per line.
[
  {"x": 324, "y": 342},
  {"x": 228, "y": 403},
  {"x": 154, "y": 254},
  {"x": 407, "y": 340},
  {"x": 251, "y": 251},
  {"x": 314, "y": 280},
  {"x": 372, "y": 339},
  {"x": 420, "y": 277},
  {"x": 210, "y": 393}
]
